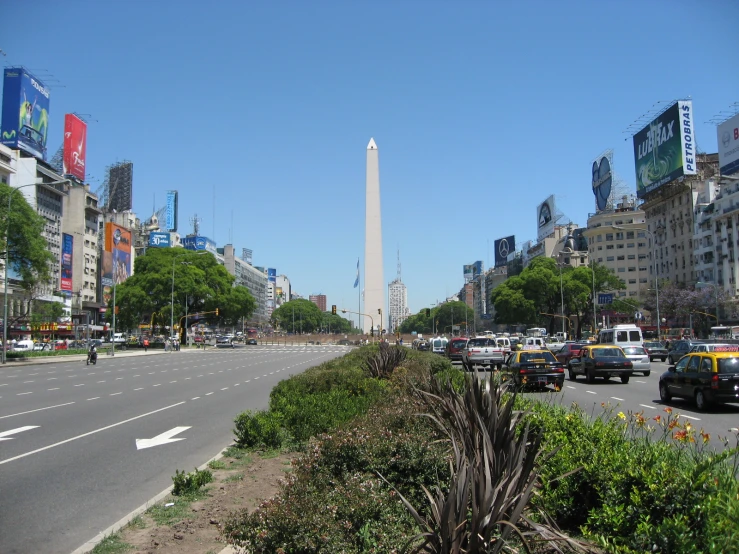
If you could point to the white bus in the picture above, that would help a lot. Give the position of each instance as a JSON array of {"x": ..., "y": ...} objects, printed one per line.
[
  {"x": 536, "y": 332},
  {"x": 725, "y": 332}
]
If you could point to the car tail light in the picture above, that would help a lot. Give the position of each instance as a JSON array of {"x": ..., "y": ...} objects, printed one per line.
[
  {"x": 599, "y": 364},
  {"x": 714, "y": 381},
  {"x": 559, "y": 370},
  {"x": 629, "y": 364}
]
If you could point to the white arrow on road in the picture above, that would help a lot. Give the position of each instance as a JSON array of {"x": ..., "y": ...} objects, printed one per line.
[
  {"x": 164, "y": 438},
  {"x": 4, "y": 435}
]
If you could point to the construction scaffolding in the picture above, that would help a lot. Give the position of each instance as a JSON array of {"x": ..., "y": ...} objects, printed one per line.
[{"x": 117, "y": 193}]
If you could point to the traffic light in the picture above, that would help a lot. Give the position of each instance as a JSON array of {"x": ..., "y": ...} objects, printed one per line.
[
  {"x": 216, "y": 311},
  {"x": 379, "y": 311},
  {"x": 333, "y": 309},
  {"x": 428, "y": 312}
]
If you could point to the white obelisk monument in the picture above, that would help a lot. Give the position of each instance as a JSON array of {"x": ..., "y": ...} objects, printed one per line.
[{"x": 374, "y": 287}]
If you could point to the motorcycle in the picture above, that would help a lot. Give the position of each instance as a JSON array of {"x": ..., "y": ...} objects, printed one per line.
[{"x": 92, "y": 357}]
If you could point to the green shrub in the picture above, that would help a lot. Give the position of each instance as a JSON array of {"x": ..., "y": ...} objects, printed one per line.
[
  {"x": 189, "y": 483},
  {"x": 262, "y": 428}
]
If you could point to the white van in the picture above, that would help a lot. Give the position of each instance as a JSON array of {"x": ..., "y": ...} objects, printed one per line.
[
  {"x": 621, "y": 335},
  {"x": 23, "y": 346}
]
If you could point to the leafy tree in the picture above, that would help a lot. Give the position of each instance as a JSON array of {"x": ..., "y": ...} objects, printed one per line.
[
  {"x": 296, "y": 316},
  {"x": 334, "y": 323},
  {"x": 452, "y": 313},
  {"x": 419, "y": 323},
  {"x": 579, "y": 299}
]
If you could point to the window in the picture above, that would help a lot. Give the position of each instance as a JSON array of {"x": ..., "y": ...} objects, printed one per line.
[
  {"x": 629, "y": 245},
  {"x": 622, "y": 270},
  {"x": 642, "y": 279},
  {"x": 620, "y": 235},
  {"x": 609, "y": 247},
  {"x": 632, "y": 269},
  {"x": 631, "y": 256},
  {"x": 620, "y": 258},
  {"x": 600, "y": 260},
  {"x": 609, "y": 236},
  {"x": 600, "y": 238},
  {"x": 630, "y": 234},
  {"x": 609, "y": 259},
  {"x": 619, "y": 246},
  {"x": 632, "y": 281}
]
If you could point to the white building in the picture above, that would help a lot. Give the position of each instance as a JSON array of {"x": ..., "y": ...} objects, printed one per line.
[
  {"x": 250, "y": 277},
  {"x": 398, "y": 310}
]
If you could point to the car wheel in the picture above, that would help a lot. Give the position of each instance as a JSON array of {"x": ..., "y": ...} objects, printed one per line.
[
  {"x": 664, "y": 394},
  {"x": 606, "y": 378},
  {"x": 700, "y": 400},
  {"x": 571, "y": 374},
  {"x": 647, "y": 373},
  {"x": 625, "y": 379},
  {"x": 589, "y": 377},
  {"x": 670, "y": 360}
]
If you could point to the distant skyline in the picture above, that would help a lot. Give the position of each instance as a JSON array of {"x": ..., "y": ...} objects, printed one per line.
[{"x": 259, "y": 115}]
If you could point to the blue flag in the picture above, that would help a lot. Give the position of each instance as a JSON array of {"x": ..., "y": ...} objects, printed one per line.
[{"x": 356, "y": 281}]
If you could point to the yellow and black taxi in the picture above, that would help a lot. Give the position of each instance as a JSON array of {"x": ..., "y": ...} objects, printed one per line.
[
  {"x": 537, "y": 368},
  {"x": 601, "y": 360},
  {"x": 704, "y": 377}
]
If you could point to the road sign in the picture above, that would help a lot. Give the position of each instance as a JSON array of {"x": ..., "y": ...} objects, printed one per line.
[
  {"x": 163, "y": 438},
  {"x": 605, "y": 298}
]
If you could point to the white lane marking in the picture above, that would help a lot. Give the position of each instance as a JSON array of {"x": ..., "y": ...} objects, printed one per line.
[
  {"x": 32, "y": 374},
  {"x": 24, "y": 382},
  {"x": 643, "y": 382},
  {"x": 237, "y": 384},
  {"x": 255, "y": 378},
  {"x": 152, "y": 373},
  {"x": 137, "y": 375},
  {"x": 101, "y": 381},
  {"x": 157, "y": 385},
  {"x": 88, "y": 433},
  {"x": 647, "y": 406},
  {"x": 5, "y": 435},
  {"x": 80, "y": 385},
  {"x": 52, "y": 379},
  {"x": 591, "y": 392},
  {"x": 617, "y": 398},
  {"x": 195, "y": 398},
  {"x": 5, "y": 385},
  {"x": 37, "y": 410},
  {"x": 188, "y": 378},
  {"x": 224, "y": 388},
  {"x": 199, "y": 375},
  {"x": 690, "y": 417},
  {"x": 106, "y": 371},
  {"x": 172, "y": 382},
  {"x": 118, "y": 378},
  {"x": 140, "y": 388},
  {"x": 94, "y": 398},
  {"x": 115, "y": 394},
  {"x": 24, "y": 393},
  {"x": 247, "y": 381},
  {"x": 208, "y": 393},
  {"x": 162, "y": 438},
  {"x": 91, "y": 373}
]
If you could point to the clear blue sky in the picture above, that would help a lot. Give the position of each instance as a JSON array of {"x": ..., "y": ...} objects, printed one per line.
[{"x": 480, "y": 110}]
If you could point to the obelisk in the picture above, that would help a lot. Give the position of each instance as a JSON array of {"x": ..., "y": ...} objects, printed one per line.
[{"x": 374, "y": 288}]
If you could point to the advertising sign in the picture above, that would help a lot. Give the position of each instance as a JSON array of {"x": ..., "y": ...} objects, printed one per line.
[
  {"x": 728, "y": 146},
  {"x": 25, "y": 121},
  {"x": 199, "y": 243},
  {"x": 117, "y": 255},
  {"x": 170, "y": 220},
  {"x": 271, "y": 275},
  {"x": 503, "y": 248},
  {"x": 664, "y": 150},
  {"x": 159, "y": 240},
  {"x": 545, "y": 218},
  {"x": 468, "y": 270},
  {"x": 67, "y": 251},
  {"x": 602, "y": 181},
  {"x": 605, "y": 298},
  {"x": 75, "y": 146}
]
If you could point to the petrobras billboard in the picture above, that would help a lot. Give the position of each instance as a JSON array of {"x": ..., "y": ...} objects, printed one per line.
[
  {"x": 75, "y": 147},
  {"x": 545, "y": 218},
  {"x": 159, "y": 240},
  {"x": 25, "y": 121},
  {"x": 602, "y": 181},
  {"x": 116, "y": 255},
  {"x": 664, "y": 150},
  {"x": 170, "y": 219},
  {"x": 199, "y": 243},
  {"x": 728, "y": 146},
  {"x": 65, "y": 282},
  {"x": 271, "y": 275},
  {"x": 503, "y": 248}
]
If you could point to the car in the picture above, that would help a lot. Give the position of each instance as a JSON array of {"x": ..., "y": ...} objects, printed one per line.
[
  {"x": 601, "y": 360},
  {"x": 720, "y": 346},
  {"x": 568, "y": 351},
  {"x": 224, "y": 341},
  {"x": 251, "y": 341},
  {"x": 60, "y": 345},
  {"x": 704, "y": 377},
  {"x": 656, "y": 349},
  {"x": 454, "y": 348},
  {"x": 423, "y": 345},
  {"x": 679, "y": 348},
  {"x": 537, "y": 368},
  {"x": 482, "y": 351},
  {"x": 640, "y": 359}
]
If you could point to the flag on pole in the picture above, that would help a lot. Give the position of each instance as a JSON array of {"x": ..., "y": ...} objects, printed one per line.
[{"x": 356, "y": 281}]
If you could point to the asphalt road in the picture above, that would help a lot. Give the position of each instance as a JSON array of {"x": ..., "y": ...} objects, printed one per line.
[
  {"x": 69, "y": 462},
  {"x": 641, "y": 394}
]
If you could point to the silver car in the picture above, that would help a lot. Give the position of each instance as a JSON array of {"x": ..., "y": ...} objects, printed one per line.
[{"x": 639, "y": 358}]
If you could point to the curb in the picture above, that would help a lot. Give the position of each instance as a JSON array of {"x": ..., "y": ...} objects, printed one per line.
[{"x": 125, "y": 520}]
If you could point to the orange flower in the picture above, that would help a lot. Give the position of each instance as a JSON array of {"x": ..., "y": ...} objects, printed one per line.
[
  {"x": 668, "y": 410},
  {"x": 680, "y": 435},
  {"x": 657, "y": 419}
]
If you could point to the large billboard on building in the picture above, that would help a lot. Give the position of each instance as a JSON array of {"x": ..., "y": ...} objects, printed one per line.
[
  {"x": 170, "y": 214},
  {"x": 472, "y": 270},
  {"x": 602, "y": 181},
  {"x": 271, "y": 275},
  {"x": 503, "y": 248},
  {"x": 728, "y": 146},
  {"x": 664, "y": 150},
  {"x": 116, "y": 255},
  {"x": 75, "y": 147},
  {"x": 159, "y": 240},
  {"x": 25, "y": 122},
  {"x": 65, "y": 282},
  {"x": 192, "y": 242},
  {"x": 545, "y": 219}
]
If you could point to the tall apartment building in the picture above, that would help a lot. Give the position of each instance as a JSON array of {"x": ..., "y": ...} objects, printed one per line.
[
  {"x": 250, "y": 277},
  {"x": 398, "y": 310},
  {"x": 319, "y": 300}
]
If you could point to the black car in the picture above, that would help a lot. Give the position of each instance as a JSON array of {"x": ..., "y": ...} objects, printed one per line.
[
  {"x": 251, "y": 341},
  {"x": 601, "y": 360},
  {"x": 679, "y": 348},
  {"x": 656, "y": 350},
  {"x": 536, "y": 368}
]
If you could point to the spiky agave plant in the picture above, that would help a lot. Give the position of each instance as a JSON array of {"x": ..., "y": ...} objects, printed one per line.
[{"x": 494, "y": 469}]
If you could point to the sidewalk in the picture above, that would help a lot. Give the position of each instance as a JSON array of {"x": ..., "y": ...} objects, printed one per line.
[{"x": 103, "y": 353}]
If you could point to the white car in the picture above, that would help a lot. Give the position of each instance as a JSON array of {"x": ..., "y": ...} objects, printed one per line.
[{"x": 639, "y": 358}]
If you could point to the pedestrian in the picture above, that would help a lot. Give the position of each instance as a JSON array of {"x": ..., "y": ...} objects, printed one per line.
[{"x": 146, "y": 343}]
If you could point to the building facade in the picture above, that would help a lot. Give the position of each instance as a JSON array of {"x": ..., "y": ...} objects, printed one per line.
[
  {"x": 319, "y": 300},
  {"x": 250, "y": 277},
  {"x": 398, "y": 310}
]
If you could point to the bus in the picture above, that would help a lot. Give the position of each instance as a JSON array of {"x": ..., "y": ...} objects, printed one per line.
[
  {"x": 252, "y": 332},
  {"x": 678, "y": 333},
  {"x": 725, "y": 332},
  {"x": 536, "y": 332}
]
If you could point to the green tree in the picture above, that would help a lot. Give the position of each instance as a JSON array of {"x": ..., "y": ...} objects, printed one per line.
[
  {"x": 579, "y": 292},
  {"x": 297, "y": 316},
  {"x": 420, "y": 322},
  {"x": 452, "y": 313}
]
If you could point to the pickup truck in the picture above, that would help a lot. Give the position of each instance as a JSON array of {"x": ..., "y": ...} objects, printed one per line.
[{"x": 482, "y": 351}]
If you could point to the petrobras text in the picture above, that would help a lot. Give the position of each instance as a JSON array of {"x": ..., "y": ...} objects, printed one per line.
[{"x": 685, "y": 109}]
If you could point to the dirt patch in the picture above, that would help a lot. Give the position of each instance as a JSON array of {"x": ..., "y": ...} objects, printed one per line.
[{"x": 194, "y": 526}]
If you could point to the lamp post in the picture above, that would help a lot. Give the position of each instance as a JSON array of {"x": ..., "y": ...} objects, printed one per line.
[
  {"x": 7, "y": 259},
  {"x": 595, "y": 323},
  {"x": 171, "y": 307}
]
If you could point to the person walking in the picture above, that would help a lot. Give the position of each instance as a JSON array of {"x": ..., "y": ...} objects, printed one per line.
[{"x": 146, "y": 343}]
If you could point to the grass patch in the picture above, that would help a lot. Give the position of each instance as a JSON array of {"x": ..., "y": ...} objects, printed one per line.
[
  {"x": 217, "y": 464},
  {"x": 163, "y": 515},
  {"x": 137, "y": 523},
  {"x": 112, "y": 544},
  {"x": 234, "y": 477},
  {"x": 236, "y": 453}
]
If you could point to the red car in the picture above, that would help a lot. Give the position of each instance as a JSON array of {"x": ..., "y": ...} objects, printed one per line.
[
  {"x": 454, "y": 348},
  {"x": 568, "y": 351}
]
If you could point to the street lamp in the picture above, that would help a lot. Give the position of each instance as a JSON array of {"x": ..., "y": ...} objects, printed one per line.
[
  {"x": 171, "y": 308},
  {"x": 654, "y": 264}
]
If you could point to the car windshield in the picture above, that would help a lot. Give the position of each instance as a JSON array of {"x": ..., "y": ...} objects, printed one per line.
[
  {"x": 478, "y": 342},
  {"x": 607, "y": 353},
  {"x": 728, "y": 365},
  {"x": 634, "y": 351},
  {"x": 458, "y": 343},
  {"x": 654, "y": 345},
  {"x": 537, "y": 357}
]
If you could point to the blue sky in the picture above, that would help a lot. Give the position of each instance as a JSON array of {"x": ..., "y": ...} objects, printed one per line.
[{"x": 480, "y": 110}]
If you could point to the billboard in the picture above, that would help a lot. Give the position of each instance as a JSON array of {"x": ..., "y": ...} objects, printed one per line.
[
  {"x": 170, "y": 215},
  {"x": 504, "y": 247},
  {"x": 602, "y": 181},
  {"x": 545, "y": 218},
  {"x": 75, "y": 146},
  {"x": 728, "y": 146},
  {"x": 116, "y": 255},
  {"x": 159, "y": 240},
  {"x": 65, "y": 282},
  {"x": 664, "y": 150},
  {"x": 25, "y": 123},
  {"x": 472, "y": 270},
  {"x": 194, "y": 242},
  {"x": 271, "y": 275}
]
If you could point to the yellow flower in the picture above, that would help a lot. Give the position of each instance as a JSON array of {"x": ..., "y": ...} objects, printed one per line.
[{"x": 621, "y": 415}]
